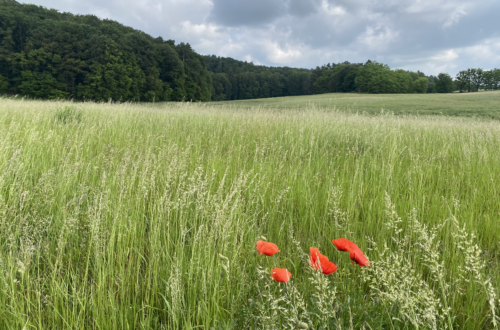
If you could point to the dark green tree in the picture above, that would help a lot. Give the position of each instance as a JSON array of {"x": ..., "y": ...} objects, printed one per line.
[
  {"x": 114, "y": 75},
  {"x": 476, "y": 78},
  {"x": 4, "y": 84},
  {"x": 462, "y": 79},
  {"x": 443, "y": 84},
  {"x": 198, "y": 80},
  {"x": 491, "y": 79},
  {"x": 404, "y": 81},
  {"x": 376, "y": 78},
  {"x": 420, "y": 85},
  {"x": 221, "y": 87},
  {"x": 171, "y": 71}
]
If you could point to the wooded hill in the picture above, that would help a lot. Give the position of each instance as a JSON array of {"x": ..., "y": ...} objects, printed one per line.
[{"x": 48, "y": 54}]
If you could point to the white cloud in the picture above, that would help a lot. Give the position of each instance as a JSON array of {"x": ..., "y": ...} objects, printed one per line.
[
  {"x": 332, "y": 10},
  {"x": 487, "y": 50},
  {"x": 455, "y": 16},
  {"x": 278, "y": 55},
  {"x": 446, "y": 55},
  {"x": 378, "y": 38},
  {"x": 203, "y": 31}
]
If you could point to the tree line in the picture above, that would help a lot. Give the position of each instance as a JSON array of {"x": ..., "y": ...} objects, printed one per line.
[
  {"x": 472, "y": 80},
  {"x": 48, "y": 54},
  {"x": 234, "y": 80}
]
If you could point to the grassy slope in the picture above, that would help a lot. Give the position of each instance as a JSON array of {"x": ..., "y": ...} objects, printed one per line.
[
  {"x": 483, "y": 104},
  {"x": 142, "y": 216}
]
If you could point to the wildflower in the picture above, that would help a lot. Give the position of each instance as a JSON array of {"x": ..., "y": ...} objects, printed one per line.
[
  {"x": 359, "y": 258},
  {"x": 267, "y": 248},
  {"x": 281, "y": 274},
  {"x": 319, "y": 261},
  {"x": 343, "y": 244},
  {"x": 355, "y": 252}
]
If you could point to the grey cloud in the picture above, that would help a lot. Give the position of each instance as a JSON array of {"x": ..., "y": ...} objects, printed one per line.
[
  {"x": 246, "y": 13},
  {"x": 303, "y": 8}
]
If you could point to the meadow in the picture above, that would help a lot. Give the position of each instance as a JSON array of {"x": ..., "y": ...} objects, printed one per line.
[
  {"x": 146, "y": 216},
  {"x": 482, "y": 104}
]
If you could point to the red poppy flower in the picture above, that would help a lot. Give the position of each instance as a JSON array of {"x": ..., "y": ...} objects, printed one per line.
[
  {"x": 355, "y": 252},
  {"x": 319, "y": 261},
  {"x": 267, "y": 248},
  {"x": 343, "y": 244},
  {"x": 281, "y": 274},
  {"x": 358, "y": 257}
]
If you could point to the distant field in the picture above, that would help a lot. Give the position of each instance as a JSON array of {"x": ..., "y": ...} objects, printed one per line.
[
  {"x": 146, "y": 216},
  {"x": 482, "y": 104}
]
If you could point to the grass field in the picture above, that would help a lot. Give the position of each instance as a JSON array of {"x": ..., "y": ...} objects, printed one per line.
[
  {"x": 146, "y": 216},
  {"x": 482, "y": 104}
]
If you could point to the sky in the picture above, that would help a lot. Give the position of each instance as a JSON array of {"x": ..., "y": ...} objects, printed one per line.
[{"x": 432, "y": 36}]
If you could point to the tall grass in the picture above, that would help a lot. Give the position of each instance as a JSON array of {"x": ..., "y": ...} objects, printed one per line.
[{"x": 146, "y": 217}]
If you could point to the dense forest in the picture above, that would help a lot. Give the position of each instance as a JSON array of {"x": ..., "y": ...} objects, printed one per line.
[{"x": 48, "y": 54}]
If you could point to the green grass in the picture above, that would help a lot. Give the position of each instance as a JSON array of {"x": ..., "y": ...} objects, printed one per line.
[
  {"x": 483, "y": 104},
  {"x": 146, "y": 216}
]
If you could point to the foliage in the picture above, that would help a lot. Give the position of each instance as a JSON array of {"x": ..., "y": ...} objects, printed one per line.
[
  {"x": 443, "y": 84},
  {"x": 47, "y": 54},
  {"x": 473, "y": 79},
  {"x": 338, "y": 79},
  {"x": 491, "y": 79},
  {"x": 4, "y": 84},
  {"x": 376, "y": 78},
  {"x": 118, "y": 78},
  {"x": 237, "y": 80},
  {"x": 420, "y": 85}
]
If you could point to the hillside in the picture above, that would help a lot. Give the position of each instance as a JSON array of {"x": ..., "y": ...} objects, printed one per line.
[{"x": 47, "y": 54}]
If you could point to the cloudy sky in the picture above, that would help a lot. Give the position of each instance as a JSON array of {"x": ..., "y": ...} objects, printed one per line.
[{"x": 428, "y": 35}]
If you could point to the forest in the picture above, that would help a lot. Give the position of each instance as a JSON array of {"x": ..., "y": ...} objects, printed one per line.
[{"x": 46, "y": 54}]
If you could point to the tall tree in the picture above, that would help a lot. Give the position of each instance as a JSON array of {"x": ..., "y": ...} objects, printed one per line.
[
  {"x": 376, "y": 78},
  {"x": 462, "y": 78},
  {"x": 420, "y": 85},
  {"x": 476, "y": 77},
  {"x": 113, "y": 75},
  {"x": 443, "y": 84},
  {"x": 491, "y": 79}
]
